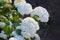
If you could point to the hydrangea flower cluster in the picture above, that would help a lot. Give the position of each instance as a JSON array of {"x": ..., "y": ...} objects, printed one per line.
[{"x": 13, "y": 29}]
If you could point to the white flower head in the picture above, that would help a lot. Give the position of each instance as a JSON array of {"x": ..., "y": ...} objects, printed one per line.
[
  {"x": 42, "y": 13},
  {"x": 2, "y": 35},
  {"x": 2, "y": 24},
  {"x": 18, "y": 2},
  {"x": 24, "y": 8},
  {"x": 29, "y": 25}
]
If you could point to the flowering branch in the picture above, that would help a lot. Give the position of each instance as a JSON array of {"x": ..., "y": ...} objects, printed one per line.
[{"x": 14, "y": 27}]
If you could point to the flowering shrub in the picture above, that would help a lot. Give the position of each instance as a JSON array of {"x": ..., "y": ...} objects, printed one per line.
[{"x": 14, "y": 25}]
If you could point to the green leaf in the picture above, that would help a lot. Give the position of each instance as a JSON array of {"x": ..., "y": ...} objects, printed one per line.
[
  {"x": 18, "y": 32},
  {"x": 36, "y": 17},
  {"x": 6, "y": 10},
  {"x": 15, "y": 17},
  {"x": 7, "y": 30}
]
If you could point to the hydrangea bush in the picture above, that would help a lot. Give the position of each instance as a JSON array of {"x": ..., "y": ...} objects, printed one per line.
[{"x": 20, "y": 21}]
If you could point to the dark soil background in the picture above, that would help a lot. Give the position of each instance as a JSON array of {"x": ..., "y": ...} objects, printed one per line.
[{"x": 53, "y": 7}]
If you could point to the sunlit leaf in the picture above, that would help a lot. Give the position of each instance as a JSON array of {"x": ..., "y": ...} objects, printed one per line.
[
  {"x": 7, "y": 30},
  {"x": 15, "y": 17}
]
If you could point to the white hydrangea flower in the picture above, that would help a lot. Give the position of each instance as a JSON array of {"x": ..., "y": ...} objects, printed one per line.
[
  {"x": 25, "y": 34},
  {"x": 2, "y": 35},
  {"x": 13, "y": 38},
  {"x": 30, "y": 22},
  {"x": 29, "y": 25},
  {"x": 18, "y": 2},
  {"x": 2, "y": 24},
  {"x": 24, "y": 8},
  {"x": 36, "y": 37},
  {"x": 42, "y": 13},
  {"x": 19, "y": 37}
]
